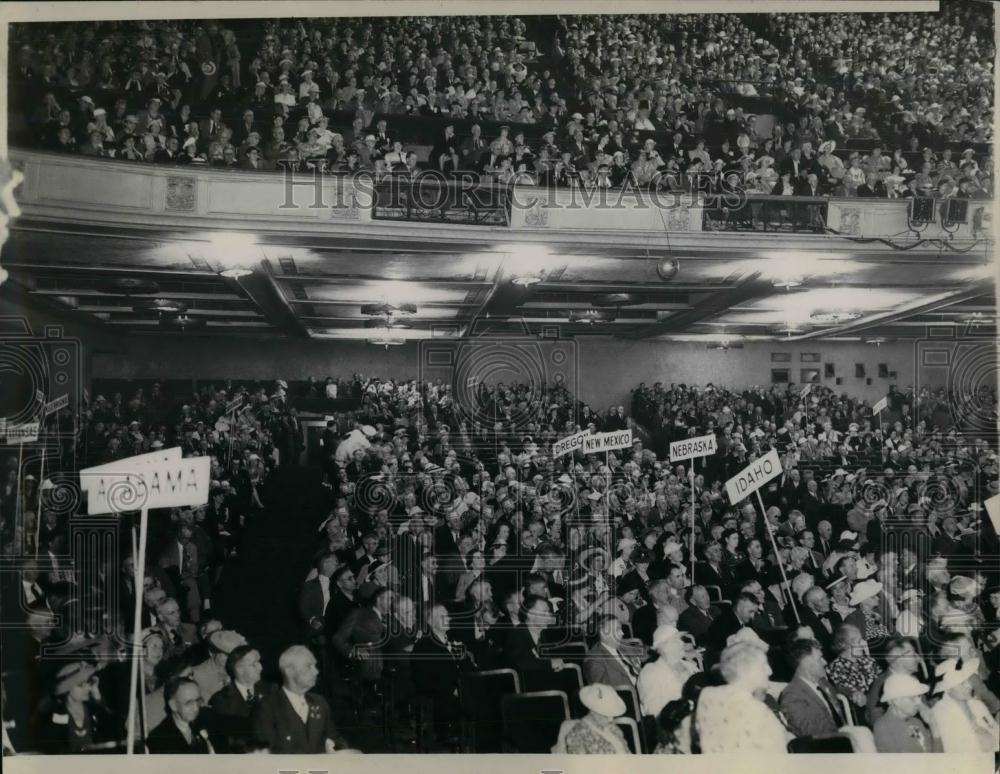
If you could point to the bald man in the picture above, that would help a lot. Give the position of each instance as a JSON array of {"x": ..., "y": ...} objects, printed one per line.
[{"x": 292, "y": 719}]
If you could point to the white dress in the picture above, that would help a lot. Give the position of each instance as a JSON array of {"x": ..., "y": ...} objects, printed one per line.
[
  {"x": 729, "y": 719},
  {"x": 968, "y": 729}
]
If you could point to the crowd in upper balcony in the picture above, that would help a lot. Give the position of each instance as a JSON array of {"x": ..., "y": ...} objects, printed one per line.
[{"x": 887, "y": 106}]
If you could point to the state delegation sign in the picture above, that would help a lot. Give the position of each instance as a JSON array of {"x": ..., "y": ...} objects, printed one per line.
[
  {"x": 157, "y": 480},
  {"x": 753, "y": 477},
  {"x": 702, "y": 446},
  {"x": 605, "y": 442},
  {"x": 569, "y": 444}
]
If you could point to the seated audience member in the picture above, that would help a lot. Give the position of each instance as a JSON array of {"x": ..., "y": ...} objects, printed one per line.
[
  {"x": 595, "y": 733},
  {"x": 182, "y": 731},
  {"x": 292, "y": 720}
]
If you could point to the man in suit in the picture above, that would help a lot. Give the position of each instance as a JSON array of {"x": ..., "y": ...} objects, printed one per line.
[
  {"x": 473, "y": 149},
  {"x": 315, "y": 594},
  {"x": 824, "y": 538},
  {"x": 423, "y": 587},
  {"x": 809, "y": 702},
  {"x": 181, "y": 732},
  {"x": 742, "y": 613},
  {"x": 292, "y": 720},
  {"x": 697, "y": 619},
  {"x": 364, "y": 626},
  {"x": 612, "y": 661},
  {"x": 436, "y": 665},
  {"x": 342, "y": 601},
  {"x": 182, "y": 562},
  {"x": 233, "y": 705},
  {"x": 793, "y": 165},
  {"x": 177, "y": 636},
  {"x": 815, "y": 613},
  {"x": 210, "y": 674},
  {"x": 658, "y": 612}
]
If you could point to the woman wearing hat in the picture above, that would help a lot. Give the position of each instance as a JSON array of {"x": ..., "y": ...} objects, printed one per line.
[
  {"x": 595, "y": 733},
  {"x": 75, "y": 719},
  {"x": 909, "y": 725},
  {"x": 964, "y": 722},
  {"x": 865, "y": 597}
]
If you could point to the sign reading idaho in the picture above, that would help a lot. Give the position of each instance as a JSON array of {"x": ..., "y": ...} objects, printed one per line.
[
  {"x": 161, "y": 479},
  {"x": 701, "y": 446},
  {"x": 753, "y": 476}
]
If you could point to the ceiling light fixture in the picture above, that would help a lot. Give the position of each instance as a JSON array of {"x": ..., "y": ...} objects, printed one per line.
[
  {"x": 834, "y": 317},
  {"x": 878, "y": 341},
  {"x": 235, "y": 272},
  {"x": 591, "y": 316},
  {"x": 787, "y": 284},
  {"x": 667, "y": 268},
  {"x": 387, "y": 342},
  {"x": 525, "y": 280}
]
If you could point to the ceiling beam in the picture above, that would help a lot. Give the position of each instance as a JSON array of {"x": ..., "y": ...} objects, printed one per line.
[
  {"x": 921, "y": 306},
  {"x": 751, "y": 287},
  {"x": 264, "y": 292}
]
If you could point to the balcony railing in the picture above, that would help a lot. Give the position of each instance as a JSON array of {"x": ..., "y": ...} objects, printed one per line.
[{"x": 76, "y": 188}]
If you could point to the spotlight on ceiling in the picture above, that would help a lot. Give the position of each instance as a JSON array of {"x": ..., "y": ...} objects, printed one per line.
[
  {"x": 787, "y": 284},
  {"x": 667, "y": 268},
  {"x": 387, "y": 322},
  {"x": 877, "y": 341},
  {"x": 235, "y": 272},
  {"x": 525, "y": 280},
  {"x": 183, "y": 322},
  {"x": 385, "y": 310},
  {"x": 834, "y": 317},
  {"x": 591, "y": 316},
  {"x": 616, "y": 299},
  {"x": 159, "y": 305},
  {"x": 386, "y": 342},
  {"x": 727, "y": 344},
  {"x": 130, "y": 286}
]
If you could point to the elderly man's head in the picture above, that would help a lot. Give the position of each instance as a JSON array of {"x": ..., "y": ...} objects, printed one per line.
[{"x": 298, "y": 669}]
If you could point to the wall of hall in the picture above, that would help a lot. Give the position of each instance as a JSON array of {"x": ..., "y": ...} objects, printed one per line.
[{"x": 608, "y": 368}]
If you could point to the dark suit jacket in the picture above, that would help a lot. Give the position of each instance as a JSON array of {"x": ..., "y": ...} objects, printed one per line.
[
  {"x": 521, "y": 653},
  {"x": 601, "y": 667},
  {"x": 721, "y": 629},
  {"x": 697, "y": 623},
  {"x": 338, "y": 610},
  {"x": 435, "y": 673},
  {"x": 311, "y": 601},
  {"x": 444, "y": 541},
  {"x": 644, "y": 624},
  {"x": 277, "y": 726},
  {"x": 232, "y": 717},
  {"x": 810, "y": 619},
  {"x": 806, "y": 712},
  {"x": 361, "y": 626},
  {"x": 166, "y": 739}
]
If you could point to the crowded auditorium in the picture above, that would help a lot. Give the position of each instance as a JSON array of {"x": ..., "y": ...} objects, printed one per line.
[{"x": 556, "y": 384}]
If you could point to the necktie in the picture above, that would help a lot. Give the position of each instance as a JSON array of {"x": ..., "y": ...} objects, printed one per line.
[{"x": 831, "y": 703}]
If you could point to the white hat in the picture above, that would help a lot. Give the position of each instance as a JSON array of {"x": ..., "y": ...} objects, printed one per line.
[
  {"x": 664, "y": 634},
  {"x": 954, "y": 672},
  {"x": 866, "y": 569},
  {"x": 602, "y": 699},
  {"x": 909, "y": 594},
  {"x": 865, "y": 590},
  {"x": 848, "y": 535},
  {"x": 369, "y": 431},
  {"x": 749, "y": 636},
  {"x": 900, "y": 686}
]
